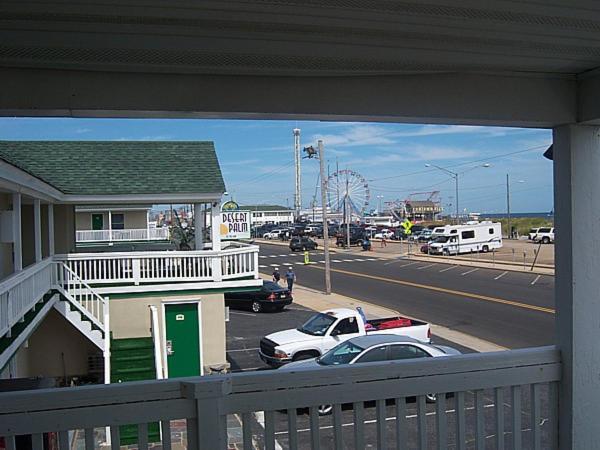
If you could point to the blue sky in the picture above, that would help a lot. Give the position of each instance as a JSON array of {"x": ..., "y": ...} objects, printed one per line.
[{"x": 257, "y": 156}]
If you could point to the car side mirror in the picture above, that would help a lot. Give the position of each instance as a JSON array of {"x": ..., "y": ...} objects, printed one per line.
[{"x": 336, "y": 332}]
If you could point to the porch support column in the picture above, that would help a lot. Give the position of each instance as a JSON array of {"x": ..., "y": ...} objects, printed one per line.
[
  {"x": 215, "y": 222},
  {"x": 37, "y": 229},
  {"x": 50, "y": 229},
  {"x": 577, "y": 215},
  {"x": 198, "y": 226},
  {"x": 110, "y": 226},
  {"x": 17, "y": 241}
]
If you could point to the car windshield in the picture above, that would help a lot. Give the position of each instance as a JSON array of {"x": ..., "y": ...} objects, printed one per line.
[
  {"x": 317, "y": 325},
  {"x": 442, "y": 239},
  {"x": 341, "y": 354},
  {"x": 270, "y": 286}
]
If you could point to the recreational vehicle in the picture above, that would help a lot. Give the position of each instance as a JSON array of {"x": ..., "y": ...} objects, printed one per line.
[{"x": 471, "y": 237}]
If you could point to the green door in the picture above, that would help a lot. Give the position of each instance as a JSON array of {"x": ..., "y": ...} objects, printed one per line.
[
  {"x": 183, "y": 339},
  {"x": 97, "y": 222}
]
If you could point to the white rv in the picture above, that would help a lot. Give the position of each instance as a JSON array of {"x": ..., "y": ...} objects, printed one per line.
[{"x": 471, "y": 237}]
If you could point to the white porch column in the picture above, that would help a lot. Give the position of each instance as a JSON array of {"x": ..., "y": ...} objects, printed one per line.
[
  {"x": 37, "y": 229},
  {"x": 577, "y": 216},
  {"x": 109, "y": 225},
  {"x": 17, "y": 241},
  {"x": 148, "y": 225},
  {"x": 215, "y": 232},
  {"x": 198, "y": 226},
  {"x": 50, "y": 229}
]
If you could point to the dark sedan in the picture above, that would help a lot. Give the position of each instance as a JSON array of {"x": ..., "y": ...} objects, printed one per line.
[
  {"x": 302, "y": 243},
  {"x": 270, "y": 296}
]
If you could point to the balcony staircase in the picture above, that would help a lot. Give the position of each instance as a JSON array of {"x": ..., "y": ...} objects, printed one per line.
[
  {"x": 82, "y": 306},
  {"x": 59, "y": 288}
]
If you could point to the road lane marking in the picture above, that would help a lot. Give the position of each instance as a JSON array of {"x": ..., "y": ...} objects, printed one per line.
[
  {"x": 335, "y": 260},
  {"x": 448, "y": 268},
  {"x": 409, "y": 264},
  {"x": 501, "y": 275},
  {"x": 536, "y": 280},
  {"x": 469, "y": 271},
  {"x": 445, "y": 291},
  {"x": 348, "y": 260},
  {"x": 360, "y": 260},
  {"x": 262, "y": 267},
  {"x": 283, "y": 256},
  {"x": 371, "y": 259},
  {"x": 425, "y": 267},
  {"x": 276, "y": 265},
  {"x": 272, "y": 256},
  {"x": 262, "y": 256}
]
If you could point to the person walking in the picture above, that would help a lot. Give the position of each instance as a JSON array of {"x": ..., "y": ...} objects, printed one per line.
[
  {"x": 276, "y": 276},
  {"x": 383, "y": 240},
  {"x": 290, "y": 277}
]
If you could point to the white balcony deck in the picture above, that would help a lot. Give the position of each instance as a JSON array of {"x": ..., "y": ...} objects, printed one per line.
[
  {"x": 519, "y": 388},
  {"x": 127, "y": 272},
  {"x": 142, "y": 234}
]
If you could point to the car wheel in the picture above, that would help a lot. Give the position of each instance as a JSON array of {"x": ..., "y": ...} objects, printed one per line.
[
  {"x": 485, "y": 249},
  {"x": 256, "y": 307},
  {"x": 325, "y": 410},
  {"x": 430, "y": 398},
  {"x": 545, "y": 240}
]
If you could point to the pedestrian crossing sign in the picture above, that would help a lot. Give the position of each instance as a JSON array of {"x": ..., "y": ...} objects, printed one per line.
[{"x": 407, "y": 225}]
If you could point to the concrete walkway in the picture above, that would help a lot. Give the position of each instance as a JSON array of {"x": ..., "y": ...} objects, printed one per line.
[{"x": 318, "y": 301}]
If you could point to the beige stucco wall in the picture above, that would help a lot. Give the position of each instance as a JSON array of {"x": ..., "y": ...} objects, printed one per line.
[
  {"x": 64, "y": 228},
  {"x": 55, "y": 349},
  {"x": 27, "y": 235},
  {"x": 6, "y": 262},
  {"x": 130, "y": 317},
  {"x": 133, "y": 220}
]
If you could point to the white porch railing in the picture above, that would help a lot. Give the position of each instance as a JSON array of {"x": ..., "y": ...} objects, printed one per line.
[
  {"x": 80, "y": 294},
  {"x": 163, "y": 266},
  {"x": 509, "y": 398},
  {"x": 142, "y": 234},
  {"x": 20, "y": 292}
]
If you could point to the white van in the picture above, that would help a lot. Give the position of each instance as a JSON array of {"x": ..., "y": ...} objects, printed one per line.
[{"x": 472, "y": 237}]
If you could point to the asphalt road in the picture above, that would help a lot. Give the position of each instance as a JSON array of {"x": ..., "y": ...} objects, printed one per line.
[{"x": 511, "y": 309}]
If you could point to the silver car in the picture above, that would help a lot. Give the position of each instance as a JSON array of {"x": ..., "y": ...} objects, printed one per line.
[{"x": 373, "y": 348}]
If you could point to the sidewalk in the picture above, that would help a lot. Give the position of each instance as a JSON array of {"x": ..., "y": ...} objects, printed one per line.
[
  {"x": 318, "y": 301},
  {"x": 392, "y": 252}
]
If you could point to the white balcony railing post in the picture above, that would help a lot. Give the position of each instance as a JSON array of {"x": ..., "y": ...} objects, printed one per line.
[
  {"x": 135, "y": 267},
  {"x": 216, "y": 266}
]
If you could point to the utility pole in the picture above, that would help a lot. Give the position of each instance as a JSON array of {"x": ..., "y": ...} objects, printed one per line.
[
  {"x": 324, "y": 215},
  {"x": 298, "y": 193},
  {"x": 508, "y": 203},
  {"x": 348, "y": 212}
]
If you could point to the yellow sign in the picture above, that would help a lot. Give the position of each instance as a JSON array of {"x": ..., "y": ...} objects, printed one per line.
[{"x": 407, "y": 225}]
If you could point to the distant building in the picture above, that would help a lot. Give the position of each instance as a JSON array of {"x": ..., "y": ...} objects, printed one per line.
[
  {"x": 421, "y": 210},
  {"x": 265, "y": 214}
]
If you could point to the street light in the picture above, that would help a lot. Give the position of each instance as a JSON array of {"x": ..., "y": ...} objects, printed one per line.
[{"x": 455, "y": 176}]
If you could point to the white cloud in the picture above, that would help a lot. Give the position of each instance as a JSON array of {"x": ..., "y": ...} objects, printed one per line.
[{"x": 415, "y": 154}]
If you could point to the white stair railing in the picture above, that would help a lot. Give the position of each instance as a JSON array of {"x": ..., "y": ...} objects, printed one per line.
[{"x": 80, "y": 294}]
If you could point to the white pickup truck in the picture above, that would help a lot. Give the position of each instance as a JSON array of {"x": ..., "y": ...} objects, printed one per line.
[{"x": 326, "y": 329}]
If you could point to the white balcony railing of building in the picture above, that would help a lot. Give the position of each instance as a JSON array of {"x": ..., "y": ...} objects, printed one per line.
[
  {"x": 142, "y": 234},
  {"x": 500, "y": 400},
  {"x": 20, "y": 292},
  {"x": 143, "y": 268}
]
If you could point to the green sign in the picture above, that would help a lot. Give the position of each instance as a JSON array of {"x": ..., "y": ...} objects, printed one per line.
[{"x": 230, "y": 206}]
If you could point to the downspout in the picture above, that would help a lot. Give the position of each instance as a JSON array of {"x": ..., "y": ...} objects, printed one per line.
[{"x": 155, "y": 330}]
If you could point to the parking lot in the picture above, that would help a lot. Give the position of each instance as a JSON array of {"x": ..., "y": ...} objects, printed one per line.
[{"x": 244, "y": 331}]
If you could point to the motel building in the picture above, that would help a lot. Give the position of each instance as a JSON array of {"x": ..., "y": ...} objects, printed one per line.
[{"x": 70, "y": 314}]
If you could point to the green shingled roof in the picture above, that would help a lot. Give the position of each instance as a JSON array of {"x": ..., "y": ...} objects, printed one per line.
[{"x": 120, "y": 167}]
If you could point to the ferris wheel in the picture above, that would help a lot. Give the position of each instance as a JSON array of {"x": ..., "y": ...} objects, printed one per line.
[{"x": 347, "y": 188}]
